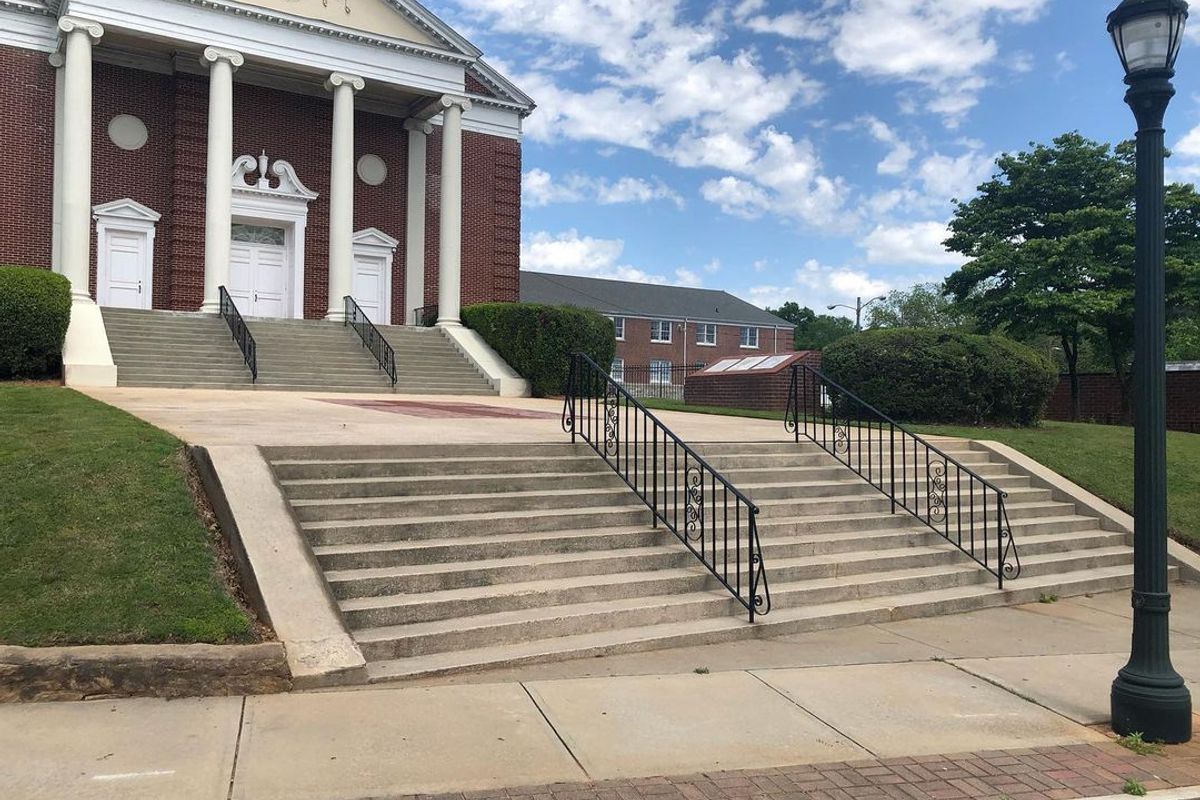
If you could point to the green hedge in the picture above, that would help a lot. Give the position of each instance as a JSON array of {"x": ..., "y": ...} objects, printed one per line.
[
  {"x": 917, "y": 375},
  {"x": 35, "y": 306},
  {"x": 538, "y": 340}
]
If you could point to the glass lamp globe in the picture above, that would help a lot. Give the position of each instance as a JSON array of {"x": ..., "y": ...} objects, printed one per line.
[{"x": 1148, "y": 33}]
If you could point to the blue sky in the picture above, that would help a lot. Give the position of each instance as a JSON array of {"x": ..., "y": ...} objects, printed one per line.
[{"x": 803, "y": 150}]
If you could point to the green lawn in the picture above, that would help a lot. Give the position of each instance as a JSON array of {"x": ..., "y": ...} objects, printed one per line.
[
  {"x": 100, "y": 541},
  {"x": 1097, "y": 457}
]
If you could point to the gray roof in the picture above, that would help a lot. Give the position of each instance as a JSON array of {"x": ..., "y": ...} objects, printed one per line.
[{"x": 626, "y": 298}]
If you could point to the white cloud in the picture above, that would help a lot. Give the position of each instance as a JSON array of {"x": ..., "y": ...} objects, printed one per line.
[
  {"x": 570, "y": 253},
  {"x": 539, "y": 188},
  {"x": 947, "y": 177},
  {"x": 803, "y": 25},
  {"x": 736, "y": 197},
  {"x": 912, "y": 243},
  {"x": 1185, "y": 162},
  {"x": 817, "y": 286},
  {"x": 901, "y": 153},
  {"x": 940, "y": 45}
]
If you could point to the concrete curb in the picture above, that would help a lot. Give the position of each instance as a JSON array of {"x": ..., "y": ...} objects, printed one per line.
[
  {"x": 280, "y": 575},
  {"x": 1185, "y": 793},
  {"x": 1111, "y": 517},
  {"x": 141, "y": 670}
]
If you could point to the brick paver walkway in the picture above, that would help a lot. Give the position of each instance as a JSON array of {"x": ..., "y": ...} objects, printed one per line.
[{"x": 1048, "y": 773}]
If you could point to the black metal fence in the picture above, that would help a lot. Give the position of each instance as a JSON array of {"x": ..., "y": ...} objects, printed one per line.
[
  {"x": 660, "y": 380},
  {"x": 710, "y": 516},
  {"x": 425, "y": 316},
  {"x": 372, "y": 339},
  {"x": 241, "y": 334},
  {"x": 944, "y": 494}
]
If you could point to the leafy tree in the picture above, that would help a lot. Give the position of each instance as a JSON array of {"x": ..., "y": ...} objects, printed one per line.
[
  {"x": 813, "y": 331},
  {"x": 1050, "y": 238},
  {"x": 1183, "y": 339},
  {"x": 923, "y": 306}
]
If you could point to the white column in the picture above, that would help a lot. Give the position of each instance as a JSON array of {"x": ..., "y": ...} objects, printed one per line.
[
  {"x": 57, "y": 61},
  {"x": 414, "y": 239},
  {"x": 450, "y": 228},
  {"x": 341, "y": 193},
  {"x": 218, "y": 184},
  {"x": 75, "y": 247}
]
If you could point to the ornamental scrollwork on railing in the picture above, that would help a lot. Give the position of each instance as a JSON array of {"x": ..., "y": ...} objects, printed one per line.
[
  {"x": 612, "y": 416},
  {"x": 762, "y": 595},
  {"x": 937, "y": 491},
  {"x": 1010, "y": 560},
  {"x": 693, "y": 509},
  {"x": 841, "y": 438}
]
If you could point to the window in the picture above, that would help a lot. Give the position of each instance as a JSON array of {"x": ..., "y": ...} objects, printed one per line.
[
  {"x": 706, "y": 334},
  {"x": 660, "y": 331},
  {"x": 660, "y": 372},
  {"x": 618, "y": 370},
  {"x": 750, "y": 338},
  {"x": 619, "y": 324}
]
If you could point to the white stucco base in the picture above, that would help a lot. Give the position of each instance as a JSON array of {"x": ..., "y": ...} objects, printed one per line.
[
  {"x": 87, "y": 360},
  {"x": 504, "y": 379}
]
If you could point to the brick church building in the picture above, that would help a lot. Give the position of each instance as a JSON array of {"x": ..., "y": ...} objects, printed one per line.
[{"x": 293, "y": 151}]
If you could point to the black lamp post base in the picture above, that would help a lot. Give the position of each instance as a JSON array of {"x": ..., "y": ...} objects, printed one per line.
[{"x": 1159, "y": 713}]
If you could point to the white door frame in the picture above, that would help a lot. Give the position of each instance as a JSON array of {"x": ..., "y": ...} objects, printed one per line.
[
  {"x": 284, "y": 205},
  {"x": 127, "y": 216},
  {"x": 372, "y": 241}
]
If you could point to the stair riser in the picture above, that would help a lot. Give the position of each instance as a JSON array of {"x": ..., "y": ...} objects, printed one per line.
[
  {"x": 452, "y": 609},
  {"x": 450, "y": 453},
  {"x": 1092, "y": 540},
  {"x": 1074, "y": 562},
  {"x": 850, "y": 486},
  {"x": 473, "y": 505},
  {"x": 404, "y": 469},
  {"x": 441, "y": 553},
  {"x": 346, "y": 587},
  {"x": 417, "y": 488},
  {"x": 441, "y": 529},
  {"x": 873, "y": 500},
  {"x": 836, "y": 472}
]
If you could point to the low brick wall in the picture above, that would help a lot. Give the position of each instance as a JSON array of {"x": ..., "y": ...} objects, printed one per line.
[
  {"x": 758, "y": 391},
  {"x": 1100, "y": 400}
]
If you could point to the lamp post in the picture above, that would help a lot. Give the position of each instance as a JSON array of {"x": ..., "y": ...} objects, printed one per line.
[
  {"x": 857, "y": 308},
  {"x": 1148, "y": 695}
]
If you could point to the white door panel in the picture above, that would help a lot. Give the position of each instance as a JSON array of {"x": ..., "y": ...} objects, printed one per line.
[
  {"x": 241, "y": 280},
  {"x": 258, "y": 279},
  {"x": 369, "y": 286},
  {"x": 125, "y": 269}
]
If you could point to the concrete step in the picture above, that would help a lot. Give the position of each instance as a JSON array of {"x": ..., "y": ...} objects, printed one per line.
[
  {"x": 425, "y": 467},
  {"x": 714, "y": 630},
  {"x": 525, "y": 521},
  {"x": 1050, "y": 516},
  {"x": 454, "y": 505},
  {"x": 423, "y": 487}
]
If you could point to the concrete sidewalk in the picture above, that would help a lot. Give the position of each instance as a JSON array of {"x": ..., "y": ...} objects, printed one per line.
[{"x": 998, "y": 680}]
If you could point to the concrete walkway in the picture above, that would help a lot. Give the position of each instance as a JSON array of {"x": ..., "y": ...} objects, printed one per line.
[{"x": 997, "y": 680}]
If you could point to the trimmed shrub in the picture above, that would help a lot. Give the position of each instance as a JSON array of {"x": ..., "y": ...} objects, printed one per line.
[
  {"x": 917, "y": 375},
  {"x": 35, "y": 307},
  {"x": 538, "y": 340}
]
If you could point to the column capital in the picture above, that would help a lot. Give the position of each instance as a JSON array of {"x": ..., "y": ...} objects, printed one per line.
[
  {"x": 69, "y": 24},
  {"x": 448, "y": 100},
  {"x": 418, "y": 126},
  {"x": 212, "y": 55},
  {"x": 339, "y": 79}
]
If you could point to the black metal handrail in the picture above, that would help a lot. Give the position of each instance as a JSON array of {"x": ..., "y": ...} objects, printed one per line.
[
  {"x": 949, "y": 497},
  {"x": 241, "y": 334},
  {"x": 425, "y": 316},
  {"x": 372, "y": 339},
  {"x": 712, "y": 518}
]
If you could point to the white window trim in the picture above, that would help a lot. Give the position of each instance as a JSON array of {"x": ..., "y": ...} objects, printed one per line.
[
  {"x": 621, "y": 335},
  {"x": 618, "y": 365},
  {"x": 705, "y": 326},
  {"x": 757, "y": 338},
  {"x": 670, "y": 331},
  {"x": 655, "y": 378}
]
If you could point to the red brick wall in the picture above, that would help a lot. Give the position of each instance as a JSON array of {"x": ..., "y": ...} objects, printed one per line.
[
  {"x": 762, "y": 391},
  {"x": 638, "y": 350},
  {"x": 168, "y": 176},
  {"x": 1100, "y": 400},
  {"x": 26, "y": 157}
]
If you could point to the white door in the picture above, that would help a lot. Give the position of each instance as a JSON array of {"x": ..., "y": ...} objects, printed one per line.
[
  {"x": 369, "y": 288},
  {"x": 258, "y": 271},
  {"x": 125, "y": 269}
]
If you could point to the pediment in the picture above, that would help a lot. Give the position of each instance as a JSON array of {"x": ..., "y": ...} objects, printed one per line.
[
  {"x": 126, "y": 208},
  {"x": 392, "y": 19},
  {"x": 373, "y": 237}
]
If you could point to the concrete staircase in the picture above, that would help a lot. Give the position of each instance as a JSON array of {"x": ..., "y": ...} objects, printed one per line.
[
  {"x": 190, "y": 350},
  {"x": 427, "y": 363},
  {"x": 453, "y": 558},
  {"x": 173, "y": 349}
]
